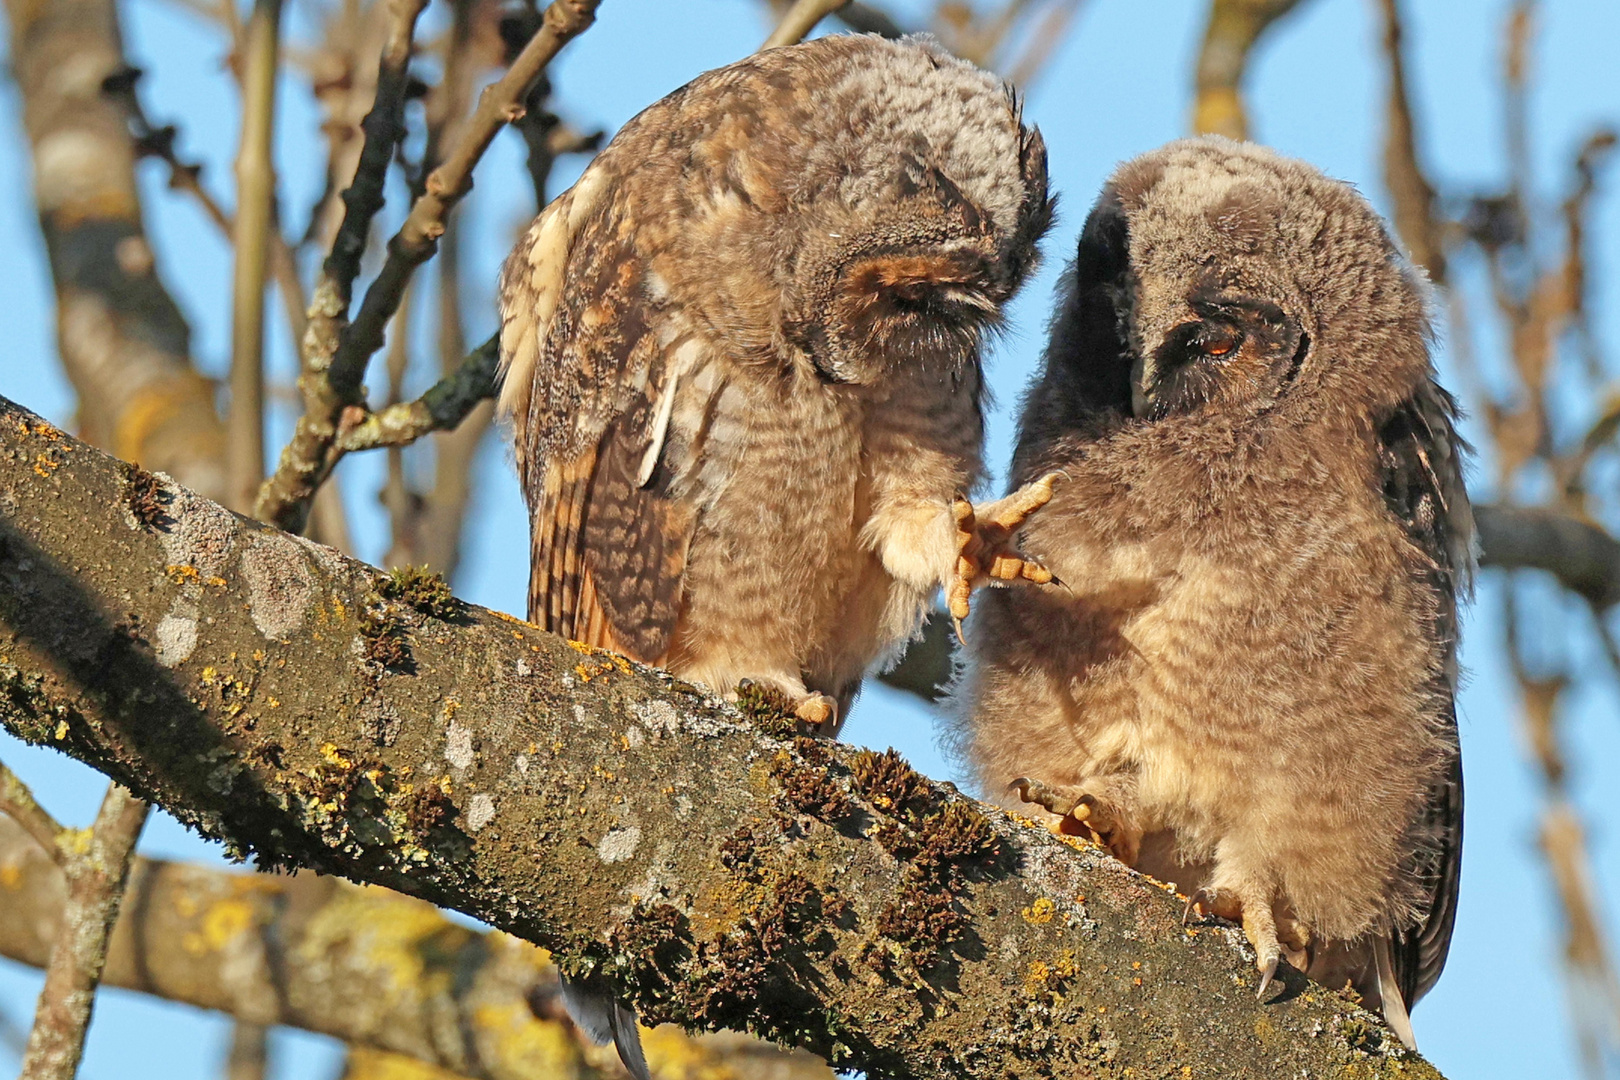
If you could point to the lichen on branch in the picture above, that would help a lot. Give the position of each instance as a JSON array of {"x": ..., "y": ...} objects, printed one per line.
[{"x": 813, "y": 893}]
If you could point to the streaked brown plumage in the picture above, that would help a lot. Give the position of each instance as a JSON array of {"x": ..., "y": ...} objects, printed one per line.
[
  {"x": 1263, "y": 533},
  {"x": 741, "y": 363}
]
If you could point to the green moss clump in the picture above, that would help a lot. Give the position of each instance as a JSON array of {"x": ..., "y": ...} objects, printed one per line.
[
  {"x": 888, "y": 782},
  {"x": 146, "y": 498},
  {"x": 767, "y": 708},
  {"x": 385, "y": 640},
  {"x": 423, "y": 589},
  {"x": 810, "y": 789}
]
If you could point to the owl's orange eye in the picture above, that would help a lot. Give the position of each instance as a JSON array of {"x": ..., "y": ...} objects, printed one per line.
[{"x": 1220, "y": 342}]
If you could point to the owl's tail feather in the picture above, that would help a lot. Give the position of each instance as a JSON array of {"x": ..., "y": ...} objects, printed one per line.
[
  {"x": 1389, "y": 994},
  {"x": 603, "y": 1017}
]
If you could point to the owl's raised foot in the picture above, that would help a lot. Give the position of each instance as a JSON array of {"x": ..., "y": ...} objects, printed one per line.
[
  {"x": 984, "y": 539},
  {"x": 1086, "y": 815}
]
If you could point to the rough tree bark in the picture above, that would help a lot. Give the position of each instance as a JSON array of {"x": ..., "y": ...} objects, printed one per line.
[
  {"x": 311, "y": 711},
  {"x": 363, "y": 965}
]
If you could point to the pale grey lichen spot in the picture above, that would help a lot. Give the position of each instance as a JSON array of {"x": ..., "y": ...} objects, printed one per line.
[
  {"x": 634, "y": 737},
  {"x": 203, "y": 532},
  {"x": 176, "y": 633},
  {"x": 579, "y": 715},
  {"x": 458, "y": 746},
  {"x": 523, "y": 669},
  {"x": 522, "y": 763},
  {"x": 659, "y": 717},
  {"x": 481, "y": 812},
  {"x": 619, "y": 844},
  {"x": 281, "y": 588},
  {"x": 683, "y": 807}
]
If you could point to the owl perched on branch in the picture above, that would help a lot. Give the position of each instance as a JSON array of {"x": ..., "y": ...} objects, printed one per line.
[
  {"x": 1247, "y": 685},
  {"x": 741, "y": 363}
]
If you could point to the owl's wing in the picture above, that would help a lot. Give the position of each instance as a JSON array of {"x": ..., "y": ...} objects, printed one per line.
[
  {"x": 1423, "y": 487},
  {"x": 591, "y": 362}
]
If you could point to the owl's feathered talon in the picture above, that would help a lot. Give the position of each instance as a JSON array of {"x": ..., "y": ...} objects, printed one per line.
[
  {"x": 1085, "y": 815},
  {"x": 1267, "y": 973},
  {"x": 820, "y": 712},
  {"x": 985, "y": 550},
  {"x": 1260, "y": 927}
]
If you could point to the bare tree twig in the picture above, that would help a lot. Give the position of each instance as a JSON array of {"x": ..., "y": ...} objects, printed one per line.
[
  {"x": 1415, "y": 209},
  {"x": 417, "y": 240},
  {"x": 336, "y": 355},
  {"x": 306, "y": 462},
  {"x": 1234, "y": 28},
  {"x": 255, "y": 220},
  {"x": 96, "y": 878},
  {"x": 800, "y": 19},
  {"x": 1043, "y": 42},
  {"x": 19, "y": 804},
  {"x": 249, "y": 1054},
  {"x": 441, "y": 408}
]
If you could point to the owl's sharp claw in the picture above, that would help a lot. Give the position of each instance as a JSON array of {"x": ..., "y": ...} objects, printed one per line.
[
  {"x": 984, "y": 542},
  {"x": 1199, "y": 898},
  {"x": 1048, "y": 798},
  {"x": 1260, "y": 927},
  {"x": 1267, "y": 973}
]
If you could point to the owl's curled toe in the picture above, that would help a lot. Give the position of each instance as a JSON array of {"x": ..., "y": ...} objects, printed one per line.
[
  {"x": 984, "y": 538},
  {"x": 1086, "y": 815},
  {"x": 820, "y": 712}
]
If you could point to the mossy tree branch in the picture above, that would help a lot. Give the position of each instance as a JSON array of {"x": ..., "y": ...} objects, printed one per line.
[{"x": 313, "y": 712}]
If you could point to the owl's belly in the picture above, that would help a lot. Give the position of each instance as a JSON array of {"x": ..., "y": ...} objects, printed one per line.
[{"x": 776, "y": 577}]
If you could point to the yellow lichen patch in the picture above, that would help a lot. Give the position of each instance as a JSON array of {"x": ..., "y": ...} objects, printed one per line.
[
  {"x": 588, "y": 672},
  {"x": 224, "y": 920},
  {"x": 181, "y": 575},
  {"x": 528, "y": 1046},
  {"x": 581, "y": 647},
  {"x": 1265, "y": 1030},
  {"x": 47, "y": 463},
  {"x": 1040, "y": 912},
  {"x": 366, "y": 1064}
]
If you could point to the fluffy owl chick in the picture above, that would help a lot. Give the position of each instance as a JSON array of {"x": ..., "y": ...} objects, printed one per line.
[
  {"x": 1247, "y": 686},
  {"x": 741, "y": 364}
]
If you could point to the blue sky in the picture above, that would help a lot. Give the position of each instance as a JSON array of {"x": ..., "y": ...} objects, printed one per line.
[{"x": 1117, "y": 86}]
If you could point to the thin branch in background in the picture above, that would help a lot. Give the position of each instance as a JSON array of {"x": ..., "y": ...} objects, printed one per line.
[
  {"x": 1234, "y": 28},
  {"x": 304, "y": 465},
  {"x": 1416, "y": 219},
  {"x": 1048, "y": 34},
  {"x": 19, "y": 804},
  {"x": 249, "y": 1055},
  {"x": 184, "y": 176},
  {"x": 337, "y": 354},
  {"x": 255, "y": 220},
  {"x": 869, "y": 19},
  {"x": 96, "y": 878},
  {"x": 800, "y": 19},
  {"x": 441, "y": 408}
]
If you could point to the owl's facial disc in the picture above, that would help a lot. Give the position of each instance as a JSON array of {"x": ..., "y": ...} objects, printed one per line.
[{"x": 913, "y": 305}]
